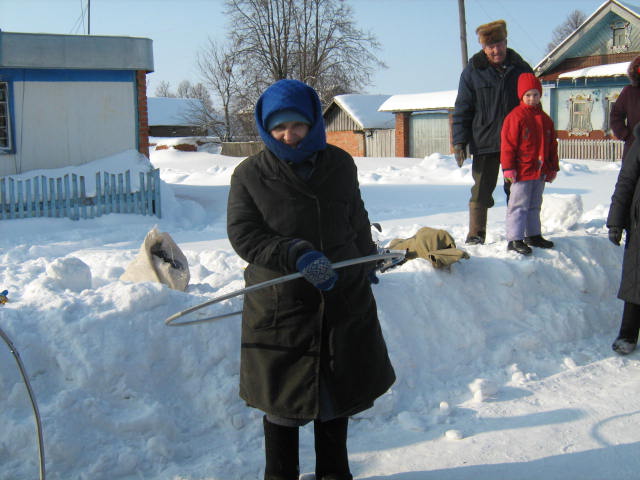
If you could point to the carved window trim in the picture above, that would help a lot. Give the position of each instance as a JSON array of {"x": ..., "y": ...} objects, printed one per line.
[
  {"x": 580, "y": 107},
  {"x": 620, "y": 40},
  {"x": 608, "y": 102}
]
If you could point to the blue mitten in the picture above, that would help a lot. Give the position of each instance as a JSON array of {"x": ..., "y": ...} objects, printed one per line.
[{"x": 316, "y": 269}]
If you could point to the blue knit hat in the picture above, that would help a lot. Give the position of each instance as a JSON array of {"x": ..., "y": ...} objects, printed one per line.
[
  {"x": 299, "y": 98},
  {"x": 284, "y": 116}
]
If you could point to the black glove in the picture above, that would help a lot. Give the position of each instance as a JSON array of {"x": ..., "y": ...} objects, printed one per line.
[
  {"x": 460, "y": 152},
  {"x": 615, "y": 235}
]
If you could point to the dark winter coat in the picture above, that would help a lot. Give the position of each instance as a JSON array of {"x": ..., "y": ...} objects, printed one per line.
[
  {"x": 625, "y": 113},
  {"x": 292, "y": 332},
  {"x": 529, "y": 144},
  {"x": 485, "y": 96},
  {"x": 625, "y": 213}
]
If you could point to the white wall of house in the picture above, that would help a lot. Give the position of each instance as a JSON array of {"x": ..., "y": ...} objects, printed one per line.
[
  {"x": 599, "y": 105},
  {"x": 69, "y": 123}
]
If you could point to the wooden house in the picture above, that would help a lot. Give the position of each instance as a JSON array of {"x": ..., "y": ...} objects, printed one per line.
[
  {"x": 423, "y": 122},
  {"x": 354, "y": 124},
  {"x": 71, "y": 99},
  {"x": 174, "y": 117},
  {"x": 583, "y": 76}
]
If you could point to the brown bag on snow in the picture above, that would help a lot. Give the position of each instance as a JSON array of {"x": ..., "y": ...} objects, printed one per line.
[{"x": 432, "y": 244}]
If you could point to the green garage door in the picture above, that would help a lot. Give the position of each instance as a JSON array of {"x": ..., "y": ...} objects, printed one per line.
[{"x": 429, "y": 133}]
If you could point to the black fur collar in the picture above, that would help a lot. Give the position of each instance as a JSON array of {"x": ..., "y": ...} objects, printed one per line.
[{"x": 480, "y": 61}]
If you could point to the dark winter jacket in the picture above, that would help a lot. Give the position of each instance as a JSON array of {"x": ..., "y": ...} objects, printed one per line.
[
  {"x": 529, "y": 144},
  {"x": 485, "y": 96},
  {"x": 293, "y": 333},
  {"x": 625, "y": 113},
  {"x": 625, "y": 213}
]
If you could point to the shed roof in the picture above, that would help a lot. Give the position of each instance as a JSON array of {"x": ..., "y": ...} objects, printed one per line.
[
  {"x": 363, "y": 110},
  {"x": 92, "y": 52},
  {"x": 164, "y": 111},
  {"x": 416, "y": 102}
]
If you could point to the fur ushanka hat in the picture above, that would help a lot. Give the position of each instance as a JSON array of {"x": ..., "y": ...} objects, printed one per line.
[{"x": 492, "y": 32}]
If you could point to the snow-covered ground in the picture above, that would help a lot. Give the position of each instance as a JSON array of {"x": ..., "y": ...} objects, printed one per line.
[{"x": 504, "y": 363}]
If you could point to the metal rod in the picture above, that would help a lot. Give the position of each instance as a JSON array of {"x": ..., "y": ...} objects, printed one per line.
[
  {"x": 258, "y": 286},
  {"x": 34, "y": 406}
]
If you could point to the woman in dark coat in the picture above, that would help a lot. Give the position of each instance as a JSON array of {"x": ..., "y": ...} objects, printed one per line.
[
  {"x": 312, "y": 348},
  {"x": 624, "y": 214},
  {"x": 625, "y": 113}
]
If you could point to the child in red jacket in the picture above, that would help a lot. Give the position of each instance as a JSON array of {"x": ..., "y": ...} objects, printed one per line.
[{"x": 529, "y": 157}]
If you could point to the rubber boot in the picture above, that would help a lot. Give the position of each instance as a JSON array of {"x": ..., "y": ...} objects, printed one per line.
[
  {"x": 332, "y": 460},
  {"x": 477, "y": 224},
  {"x": 281, "y": 452}
]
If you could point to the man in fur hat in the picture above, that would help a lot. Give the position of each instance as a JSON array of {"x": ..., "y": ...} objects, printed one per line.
[{"x": 486, "y": 94}]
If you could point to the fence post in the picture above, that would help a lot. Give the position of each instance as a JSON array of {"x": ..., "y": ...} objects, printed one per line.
[
  {"x": 3, "y": 187},
  {"x": 157, "y": 192},
  {"x": 12, "y": 196},
  {"x": 141, "y": 195},
  {"x": 98, "y": 202}
]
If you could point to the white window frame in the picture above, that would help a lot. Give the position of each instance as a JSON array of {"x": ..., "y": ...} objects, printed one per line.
[{"x": 6, "y": 144}]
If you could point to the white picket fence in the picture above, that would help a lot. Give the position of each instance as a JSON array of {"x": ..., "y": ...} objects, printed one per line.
[
  {"x": 66, "y": 196},
  {"x": 584, "y": 149}
]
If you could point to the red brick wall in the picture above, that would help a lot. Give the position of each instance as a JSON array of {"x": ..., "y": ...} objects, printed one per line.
[
  {"x": 143, "y": 117},
  {"x": 349, "y": 141},
  {"x": 402, "y": 134}
]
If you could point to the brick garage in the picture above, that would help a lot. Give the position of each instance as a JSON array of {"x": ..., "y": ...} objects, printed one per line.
[{"x": 354, "y": 124}]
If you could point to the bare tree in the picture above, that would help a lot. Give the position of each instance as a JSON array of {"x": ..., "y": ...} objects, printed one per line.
[
  {"x": 164, "y": 90},
  {"x": 562, "y": 31},
  {"x": 185, "y": 89},
  {"x": 217, "y": 66},
  {"x": 201, "y": 111},
  {"x": 315, "y": 41}
]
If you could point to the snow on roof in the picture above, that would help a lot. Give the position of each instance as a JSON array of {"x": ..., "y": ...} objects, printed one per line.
[
  {"x": 170, "y": 111},
  {"x": 364, "y": 110},
  {"x": 420, "y": 101},
  {"x": 611, "y": 70}
]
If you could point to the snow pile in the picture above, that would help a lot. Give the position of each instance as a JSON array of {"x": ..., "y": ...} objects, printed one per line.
[{"x": 503, "y": 363}]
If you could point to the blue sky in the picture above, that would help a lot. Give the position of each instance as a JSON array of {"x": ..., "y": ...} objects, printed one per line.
[{"x": 420, "y": 38}]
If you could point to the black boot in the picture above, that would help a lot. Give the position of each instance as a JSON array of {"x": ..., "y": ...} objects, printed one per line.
[
  {"x": 477, "y": 224},
  {"x": 519, "y": 246},
  {"x": 538, "y": 241},
  {"x": 332, "y": 461},
  {"x": 628, "y": 335},
  {"x": 281, "y": 452}
]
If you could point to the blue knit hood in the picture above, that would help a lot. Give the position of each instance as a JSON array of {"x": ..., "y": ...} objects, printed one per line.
[{"x": 299, "y": 97}]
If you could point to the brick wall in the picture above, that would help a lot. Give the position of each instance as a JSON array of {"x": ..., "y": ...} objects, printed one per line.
[
  {"x": 143, "y": 117},
  {"x": 352, "y": 142},
  {"x": 402, "y": 134}
]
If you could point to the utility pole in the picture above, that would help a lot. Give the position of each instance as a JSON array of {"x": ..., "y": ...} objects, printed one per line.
[
  {"x": 463, "y": 33},
  {"x": 89, "y": 17}
]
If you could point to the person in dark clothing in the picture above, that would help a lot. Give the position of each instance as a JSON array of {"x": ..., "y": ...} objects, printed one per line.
[
  {"x": 623, "y": 216},
  {"x": 625, "y": 113},
  {"x": 312, "y": 348},
  {"x": 486, "y": 94}
]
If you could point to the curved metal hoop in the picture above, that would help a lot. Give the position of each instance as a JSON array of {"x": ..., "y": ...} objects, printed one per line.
[
  {"x": 32, "y": 397},
  {"x": 394, "y": 256}
]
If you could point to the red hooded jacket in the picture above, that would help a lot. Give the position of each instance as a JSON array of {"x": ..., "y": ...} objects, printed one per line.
[{"x": 528, "y": 137}]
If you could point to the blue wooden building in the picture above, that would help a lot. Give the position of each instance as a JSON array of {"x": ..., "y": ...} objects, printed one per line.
[
  {"x": 583, "y": 76},
  {"x": 71, "y": 99}
]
